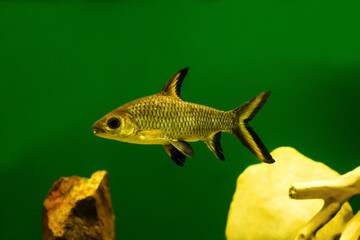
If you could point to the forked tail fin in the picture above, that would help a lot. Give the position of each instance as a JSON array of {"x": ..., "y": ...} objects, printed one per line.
[{"x": 245, "y": 133}]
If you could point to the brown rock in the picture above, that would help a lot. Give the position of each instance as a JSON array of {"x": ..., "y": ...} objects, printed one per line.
[{"x": 79, "y": 208}]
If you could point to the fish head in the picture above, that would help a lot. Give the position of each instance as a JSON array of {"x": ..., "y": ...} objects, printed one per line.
[{"x": 117, "y": 125}]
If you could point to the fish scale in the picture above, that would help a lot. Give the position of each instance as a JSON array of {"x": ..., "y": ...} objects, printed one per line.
[{"x": 179, "y": 119}]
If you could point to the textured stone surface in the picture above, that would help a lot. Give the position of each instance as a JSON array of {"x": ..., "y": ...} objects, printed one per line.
[
  {"x": 261, "y": 207},
  {"x": 79, "y": 208}
]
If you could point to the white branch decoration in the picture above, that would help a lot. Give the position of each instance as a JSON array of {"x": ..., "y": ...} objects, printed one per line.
[{"x": 334, "y": 193}]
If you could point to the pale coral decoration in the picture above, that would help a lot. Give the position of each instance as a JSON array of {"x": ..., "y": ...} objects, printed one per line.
[
  {"x": 262, "y": 209},
  {"x": 334, "y": 193}
]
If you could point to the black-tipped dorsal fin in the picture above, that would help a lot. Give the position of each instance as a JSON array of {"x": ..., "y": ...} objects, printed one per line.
[
  {"x": 213, "y": 143},
  {"x": 172, "y": 87}
]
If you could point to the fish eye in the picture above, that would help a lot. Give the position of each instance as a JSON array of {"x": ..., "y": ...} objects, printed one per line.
[{"x": 113, "y": 123}]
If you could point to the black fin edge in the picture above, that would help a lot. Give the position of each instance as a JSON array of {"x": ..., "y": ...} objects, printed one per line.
[
  {"x": 217, "y": 146},
  {"x": 267, "y": 158},
  {"x": 175, "y": 155},
  {"x": 178, "y": 81},
  {"x": 263, "y": 100},
  {"x": 214, "y": 145},
  {"x": 184, "y": 147},
  {"x": 259, "y": 106}
]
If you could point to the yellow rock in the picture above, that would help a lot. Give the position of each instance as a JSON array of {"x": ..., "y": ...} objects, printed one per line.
[{"x": 261, "y": 207}]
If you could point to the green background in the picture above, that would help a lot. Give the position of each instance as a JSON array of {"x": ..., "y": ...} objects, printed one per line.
[{"x": 63, "y": 65}]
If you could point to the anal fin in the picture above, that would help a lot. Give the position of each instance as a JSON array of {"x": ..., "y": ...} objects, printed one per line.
[
  {"x": 214, "y": 145},
  {"x": 183, "y": 147},
  {"x": 175, "y": 155}
]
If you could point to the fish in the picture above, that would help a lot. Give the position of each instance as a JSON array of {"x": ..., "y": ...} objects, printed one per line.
[{"x": 166, "y": 119}]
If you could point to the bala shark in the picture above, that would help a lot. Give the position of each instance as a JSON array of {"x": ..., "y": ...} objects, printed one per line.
[{"x": 164, "y": 118}]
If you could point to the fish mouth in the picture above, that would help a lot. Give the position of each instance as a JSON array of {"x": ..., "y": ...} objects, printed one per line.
[{"x": 97, "y": 130}]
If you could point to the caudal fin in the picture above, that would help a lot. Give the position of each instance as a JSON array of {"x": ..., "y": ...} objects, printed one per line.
[{"x": 245, "y": 133}]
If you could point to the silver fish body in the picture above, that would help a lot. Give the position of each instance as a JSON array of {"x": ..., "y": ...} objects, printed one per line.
[
  {"x": 178, "y": 119},
  {"x": 164, "y": 118}
]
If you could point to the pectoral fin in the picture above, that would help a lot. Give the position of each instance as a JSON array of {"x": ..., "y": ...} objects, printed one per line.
[
  {"x": 214, "y": 145},
  {"x": 175, "y": 155},
  {"x": 183, "y": 147}
]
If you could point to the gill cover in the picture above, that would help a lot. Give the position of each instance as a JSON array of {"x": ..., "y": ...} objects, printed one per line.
[{"x": 115, "y": 125}]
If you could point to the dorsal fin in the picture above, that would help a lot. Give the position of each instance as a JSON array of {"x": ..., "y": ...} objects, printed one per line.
[{"x": 172, "y": 87}]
